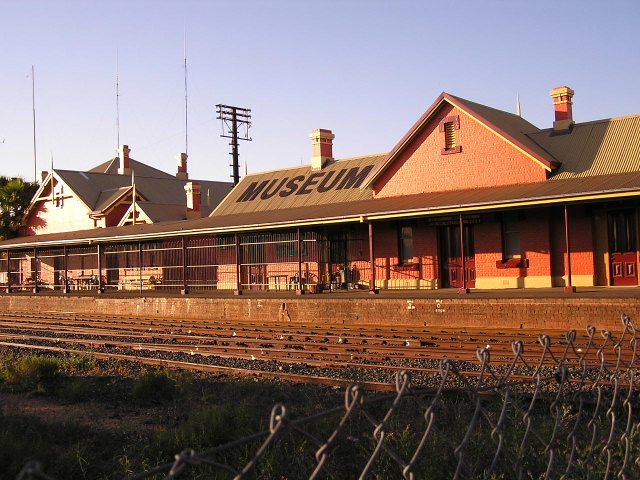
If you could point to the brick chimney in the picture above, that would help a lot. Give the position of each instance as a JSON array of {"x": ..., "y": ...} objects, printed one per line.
[
  {"x": 563, "y": 105},
  {"x": 193, "y": 200},
  {"x": 322, "y": 141},
  {"x": 123, "y": 154},
  {"x": 182, "y": 166}
]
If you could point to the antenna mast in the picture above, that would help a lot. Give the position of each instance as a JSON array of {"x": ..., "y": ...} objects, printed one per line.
[
  {"x": 186, "y": 103},
  {"x": 33, "y": 105},
  {"x": 232, "y": 118},
  {"x": 117, "y": 98}
]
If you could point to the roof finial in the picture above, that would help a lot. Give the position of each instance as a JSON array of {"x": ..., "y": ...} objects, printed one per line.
[{"x": 518, "y": 109}]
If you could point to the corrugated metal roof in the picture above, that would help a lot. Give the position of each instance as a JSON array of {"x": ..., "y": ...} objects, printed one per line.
[
  {"x": 597, "y": 148},
  {"x": 274, "y": 190}
]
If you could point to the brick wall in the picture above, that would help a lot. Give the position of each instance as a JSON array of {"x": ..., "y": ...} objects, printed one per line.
[
  {"x": 581, "y": 239},
  {"x": 485, "y": 160},
  {"x": 548, "y": 313},
  {"x": 70, "y": 215}
]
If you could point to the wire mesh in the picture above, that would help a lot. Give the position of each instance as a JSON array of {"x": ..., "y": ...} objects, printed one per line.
[{"x": 560, "y": 417}]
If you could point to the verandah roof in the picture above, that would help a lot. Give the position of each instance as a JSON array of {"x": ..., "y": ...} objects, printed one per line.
[{"x": 597, "y": 188}]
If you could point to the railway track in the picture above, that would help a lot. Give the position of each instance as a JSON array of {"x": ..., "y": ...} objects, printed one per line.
[{"x": 322, "y": 353}]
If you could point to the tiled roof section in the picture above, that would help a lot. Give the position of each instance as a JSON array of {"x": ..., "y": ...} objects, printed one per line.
[
  {"x": 603, "y": 147},
  {"x": 301, "y": 187},
  {"x": 107, "y": 198},
  {"x": 111, "y": 166},
  {"x": 163, "y": 212},
  {"x": 558, "y": 191},
  {"x": 99, "y": 190}
]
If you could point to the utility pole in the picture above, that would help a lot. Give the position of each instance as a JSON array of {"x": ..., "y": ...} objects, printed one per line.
[{"x": 233, "y": 118}]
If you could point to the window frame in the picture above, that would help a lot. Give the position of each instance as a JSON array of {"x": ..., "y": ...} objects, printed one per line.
[
  {"x": 448, "y": 127},
  {"x": 406, "y": 245},
  {"x": 510, "y": 231}
]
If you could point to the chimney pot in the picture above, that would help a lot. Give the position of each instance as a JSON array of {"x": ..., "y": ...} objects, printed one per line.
[
  {"x": 322, "y": 141},
  {"x": 193, "y": 200},
  {"x": 563, "y": 107},
  {"x": 182, "y": 166},
  {"x": 123, "y": 154}
]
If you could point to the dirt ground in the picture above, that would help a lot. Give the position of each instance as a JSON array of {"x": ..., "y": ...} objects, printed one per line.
[{"x": 90, "y": 414}]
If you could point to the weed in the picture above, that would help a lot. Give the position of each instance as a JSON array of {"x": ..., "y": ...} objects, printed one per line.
[
  {"x": 78, "y": 390},
  {"x": 75, "y": 364}
]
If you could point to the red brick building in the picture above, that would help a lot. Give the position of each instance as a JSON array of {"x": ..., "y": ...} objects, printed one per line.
[{"x": 470, "y": 197}]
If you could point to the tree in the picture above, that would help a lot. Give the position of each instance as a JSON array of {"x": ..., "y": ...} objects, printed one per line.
[{"x": 15, "y": 198}]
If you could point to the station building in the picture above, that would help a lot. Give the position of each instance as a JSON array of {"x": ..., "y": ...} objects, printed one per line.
[{"x": 471, "y": 197}]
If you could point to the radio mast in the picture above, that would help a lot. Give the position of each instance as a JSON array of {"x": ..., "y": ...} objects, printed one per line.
[{"x": 33, "y": 105}]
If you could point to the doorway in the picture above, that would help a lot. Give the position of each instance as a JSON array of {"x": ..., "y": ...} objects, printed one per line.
[
  {"x": 623, "y": 247},
  {"x": 452, "y": 266}
]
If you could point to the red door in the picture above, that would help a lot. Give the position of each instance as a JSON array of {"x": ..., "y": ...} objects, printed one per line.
[
  {"x": 623, "y": 247},
  {"x": 451, "y": 257}
]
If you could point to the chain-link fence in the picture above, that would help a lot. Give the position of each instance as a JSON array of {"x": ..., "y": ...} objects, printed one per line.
[{"x": 564, "y": 417}]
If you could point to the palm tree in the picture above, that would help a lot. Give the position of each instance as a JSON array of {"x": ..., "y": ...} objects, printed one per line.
[{"x": 15, "y": 198}]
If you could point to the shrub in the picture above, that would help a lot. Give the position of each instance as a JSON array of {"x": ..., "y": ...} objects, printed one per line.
[
  {"x": 154, "y": 386},
  {"x": 28, "y": 371}
]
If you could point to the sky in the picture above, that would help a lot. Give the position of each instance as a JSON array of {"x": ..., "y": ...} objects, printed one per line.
[{"x": 365, "y": 69}]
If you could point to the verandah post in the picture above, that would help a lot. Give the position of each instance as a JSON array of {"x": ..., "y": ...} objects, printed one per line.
[
  {"x": 185, "y": 286},
  {"x": 372, "y": 261},
  {"x": 65, "y": 288},
  {"x": 36, "y": 273},
  {"x": 100, "y": 284},
  {"x": 464, "y": 288},
  {"x": 237, "y": 290},
  {"x": 8, "y": 271},
  {"x": 300, "y": 289},
  {"x": 569, "y": 288}
]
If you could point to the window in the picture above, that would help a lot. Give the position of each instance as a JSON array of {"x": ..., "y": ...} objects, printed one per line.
[
  {"x": 406, "y": 244},
  {"x": 449, "y": 127},
  {"x": 510, "y": 235},
  {"x": 449, "y": 135}
]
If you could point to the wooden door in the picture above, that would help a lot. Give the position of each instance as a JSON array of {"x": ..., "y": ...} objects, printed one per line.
[
  {"x": 623, "y": 247},
  {"x": 451, "y": 257}
]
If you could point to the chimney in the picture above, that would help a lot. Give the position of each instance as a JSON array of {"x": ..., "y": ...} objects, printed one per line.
[
  {"x": 322, "y": 141},
  {"x": 563, "y": 105},
  {"x": 123, "y": 154},
  {"x": 182, "y": 166},
  {"x": 193, "y": 200}
]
